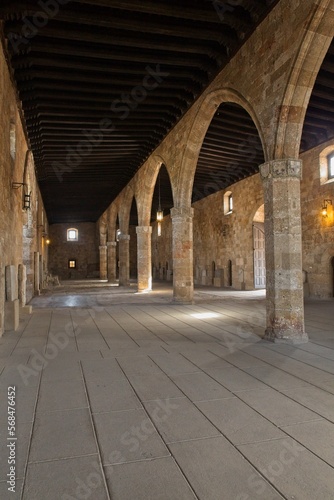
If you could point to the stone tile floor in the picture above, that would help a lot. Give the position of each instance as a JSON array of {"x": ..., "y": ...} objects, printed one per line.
[{"x": 128, "y": 396}]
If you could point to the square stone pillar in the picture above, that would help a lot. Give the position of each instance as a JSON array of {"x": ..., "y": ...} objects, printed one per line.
[
  {"x": 11, "y": 283},
  {"x": 144, "y": 258},
  {"x": 183, "y": 279},
  {"x": 36, "y": 272},
  {"x": 285, "y": 301},
  {"x": 103, "y": 262},
  {"x": 22, "y": 280},
  {"x": 11, "y": 309},
  {"x": 124, "y": 259},
  {"x": 111, "y": 256},
  {"x": 41, "y": 271}
]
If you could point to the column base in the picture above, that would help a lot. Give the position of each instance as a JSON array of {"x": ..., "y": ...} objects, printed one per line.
[
  {"x": 144, "y": 290},
  {"x": 291, "y": 337},
  {"x": 185, "y": 302}
]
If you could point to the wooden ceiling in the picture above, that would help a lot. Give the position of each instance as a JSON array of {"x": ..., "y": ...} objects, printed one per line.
[{"x": 85, "y": 64}]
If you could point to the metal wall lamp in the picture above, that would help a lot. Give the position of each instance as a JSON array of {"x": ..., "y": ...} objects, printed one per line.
[
  {"x": 26, "y": 196},
  {"x": 325, "y": 207}
]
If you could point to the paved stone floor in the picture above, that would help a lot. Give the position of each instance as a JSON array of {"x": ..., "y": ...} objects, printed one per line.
[{"x": 128, "y": 396}]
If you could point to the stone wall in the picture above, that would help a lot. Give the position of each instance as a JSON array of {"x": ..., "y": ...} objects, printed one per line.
[
  {"x": 85, "y": 251},
  {"x": 220, "y": 238},
  {"x": 22, "y": 232},
  {"x": 317, "y": 231}
]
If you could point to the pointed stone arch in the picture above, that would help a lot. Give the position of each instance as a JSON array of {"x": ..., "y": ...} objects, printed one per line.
[
  {"x": 125, "y": 203},
  {"x": 145, "y": 185},
  {"x": 198, "y": 130},
  {"x": 313, "y": 49}
]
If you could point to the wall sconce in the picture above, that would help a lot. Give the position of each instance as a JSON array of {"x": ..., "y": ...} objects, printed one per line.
[
  {"x": 160, "y": 213},
  {"x": 47, "y": 241},
  {"x": 26, "y": 196},
  {"x": 26, "y": 201},
  {"x": 325, "y": 206}
]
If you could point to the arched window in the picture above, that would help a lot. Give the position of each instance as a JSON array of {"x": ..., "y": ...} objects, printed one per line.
[
  {"x": 326, "y": 163},
  {"x": 228, "y": 203},
  {"x": 72, "y": 234}
]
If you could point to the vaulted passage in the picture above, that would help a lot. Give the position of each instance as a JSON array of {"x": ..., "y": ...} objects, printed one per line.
[{"x": 167, "y": 243}]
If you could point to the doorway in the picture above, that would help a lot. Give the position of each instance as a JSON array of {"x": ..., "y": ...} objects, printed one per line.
[
  {"x": 259, "y": 256},
  {"x": 213, "y": 271},
  {"x": 229, "y": 273}
]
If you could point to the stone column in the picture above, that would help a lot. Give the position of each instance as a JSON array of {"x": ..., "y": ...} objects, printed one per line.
[
  {"x": 124, "y": 259},
  {"x": 41, "y": 272},
  {"x": 36, "y": 272},
  {"x": 285, "y": 302},
  {"x": 111, "y": 250},
  {"x": 103, "y": 262},
  {"x": 12, "y": 304},
  {"x": 22, "y": 279},
  {"x": 144, "y": 258},
  {"x": 183, "y": 279}
]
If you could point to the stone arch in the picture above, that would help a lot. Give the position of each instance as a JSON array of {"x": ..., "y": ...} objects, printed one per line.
[
  {"x": 125, "y": 203},
  {"x": 313, "y": 49},
  {"x": 145, "y": 187},
  {"x": 197, "y": 134},
  {"x": 112, "y": 221},
  {"x": 103, "y": 227}
]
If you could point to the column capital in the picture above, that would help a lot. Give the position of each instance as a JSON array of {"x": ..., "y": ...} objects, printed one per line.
[
  {"x": 280, "y": 169},
  {"x": 124, "y": 237},
  {"x": 182, "y": 212},
  {"x": 103, "y": 247},
  {"x": 144, "y": 229},
  {"x": 111, "y": 243}
]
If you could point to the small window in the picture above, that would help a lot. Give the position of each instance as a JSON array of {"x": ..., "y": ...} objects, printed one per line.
[
  {"x": 331, "y": 166},
  {"x": 72, "y": 264},
  {"x": 72, "y": 234},
  {"x": 228, "y": 203}
]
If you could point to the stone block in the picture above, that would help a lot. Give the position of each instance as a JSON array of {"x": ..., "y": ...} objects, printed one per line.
[
  {"x": 22, "y": 284},
  {"x": 12, "y": 315},
  {"x": 25, "y": 310},
  {"x": 11, "y": 283}
]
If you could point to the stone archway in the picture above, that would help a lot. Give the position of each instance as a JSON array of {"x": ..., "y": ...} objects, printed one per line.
[
  {"x": 146, "y": 188},
  {"x": 197, "y": 133},
  {"x": 317, "y": 39}
]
